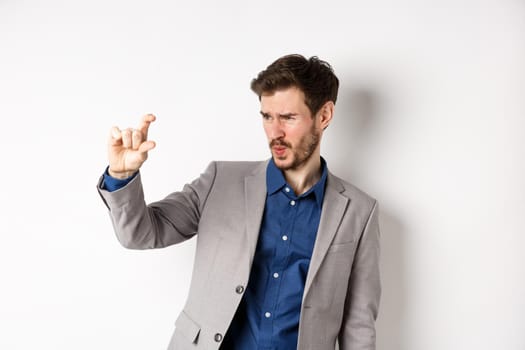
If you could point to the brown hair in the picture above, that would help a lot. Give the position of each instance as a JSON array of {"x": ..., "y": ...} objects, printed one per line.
[{"x": 314, "y": 77}]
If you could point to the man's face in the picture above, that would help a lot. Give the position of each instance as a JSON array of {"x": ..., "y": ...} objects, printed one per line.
[{"x": 293, "y": 135}]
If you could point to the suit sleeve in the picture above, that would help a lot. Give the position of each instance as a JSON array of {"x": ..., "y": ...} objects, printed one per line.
[
  {"x": 364, "y": 291},
  {"x": 159, "y": 224}
]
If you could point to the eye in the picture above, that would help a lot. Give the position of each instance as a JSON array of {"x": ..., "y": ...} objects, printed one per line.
[{"x": 288, "y": 118}]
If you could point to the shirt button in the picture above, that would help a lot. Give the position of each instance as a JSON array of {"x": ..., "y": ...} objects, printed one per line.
[
  {"x": 292, "y": 203},
  {"x": 275, "y": 275},
  {"x": 239, "y": 289},
  {"x": 284, "y": 237},
  {"x": 286, "y": 189},
  {"x": 267, "y": 314},
  {"x": 217, "y": 337}
]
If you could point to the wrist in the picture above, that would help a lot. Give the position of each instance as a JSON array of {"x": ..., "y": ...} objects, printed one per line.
[{"x": 121, "y": 175}]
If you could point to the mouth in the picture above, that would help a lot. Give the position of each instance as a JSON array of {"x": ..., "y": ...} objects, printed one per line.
[
  {"x": 279, "y": 150},
  {"x": 279, "y": 147}
]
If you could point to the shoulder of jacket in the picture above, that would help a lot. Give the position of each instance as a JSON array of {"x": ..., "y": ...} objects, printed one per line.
[{"x": 353, "y": 192}]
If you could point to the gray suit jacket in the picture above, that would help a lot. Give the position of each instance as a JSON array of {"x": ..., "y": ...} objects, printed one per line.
[{"x": 224, "y": 208}]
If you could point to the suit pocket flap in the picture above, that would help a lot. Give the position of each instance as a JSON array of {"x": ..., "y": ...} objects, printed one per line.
[{"x": 187, "y": 327}]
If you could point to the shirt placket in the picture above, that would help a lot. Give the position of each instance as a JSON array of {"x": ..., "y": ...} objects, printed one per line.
[{"x": 277, "y": 266}]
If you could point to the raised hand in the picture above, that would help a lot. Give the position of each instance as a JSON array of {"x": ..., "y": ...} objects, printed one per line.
[{"x": 128, "y": 149}]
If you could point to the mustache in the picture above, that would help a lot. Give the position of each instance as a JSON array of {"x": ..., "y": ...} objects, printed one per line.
[{"x": 280, "y": 142}]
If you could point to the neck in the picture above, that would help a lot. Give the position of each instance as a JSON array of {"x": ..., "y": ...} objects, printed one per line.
[{"x": 305, "y": 177}]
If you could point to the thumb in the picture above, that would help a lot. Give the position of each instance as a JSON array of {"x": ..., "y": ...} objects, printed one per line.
[{"x": 146, "y": 146}]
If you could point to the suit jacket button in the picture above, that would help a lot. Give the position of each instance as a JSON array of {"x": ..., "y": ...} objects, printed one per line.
[
  {"x": 218, "y": 337},
  {"x": 239, "y": 289}
]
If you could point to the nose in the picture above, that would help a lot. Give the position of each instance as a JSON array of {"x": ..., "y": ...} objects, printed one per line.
[{"x": 274, "y": 129}]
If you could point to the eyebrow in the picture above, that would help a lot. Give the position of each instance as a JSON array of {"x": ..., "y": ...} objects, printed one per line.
[{"x": 279, "y": 115}]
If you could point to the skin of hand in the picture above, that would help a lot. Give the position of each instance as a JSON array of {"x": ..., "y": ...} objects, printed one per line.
[{"x": 128, "y": 148}]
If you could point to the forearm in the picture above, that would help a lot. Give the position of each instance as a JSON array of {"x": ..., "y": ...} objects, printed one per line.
[
  {"x": 134, "y": 223},
  {"x": 160, "y": 224}
]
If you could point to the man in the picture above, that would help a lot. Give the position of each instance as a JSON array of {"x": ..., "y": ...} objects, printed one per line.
[{"x": 287, "y": 253}]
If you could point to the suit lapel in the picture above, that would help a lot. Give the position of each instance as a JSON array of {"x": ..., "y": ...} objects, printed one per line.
[
  {"x": 334, "y": 207},
  {"x": 255, "y": 198}
]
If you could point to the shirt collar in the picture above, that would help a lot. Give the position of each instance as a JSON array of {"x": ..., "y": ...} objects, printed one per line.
[{"x": 275, "y": 181}]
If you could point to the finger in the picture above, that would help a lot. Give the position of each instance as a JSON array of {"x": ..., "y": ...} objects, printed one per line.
[
  {"x": 126, "y": 138},
  {"x": 115, "y": 136},
  {"x": 136, "y": 139},
  {"x": 146, "y": 146},
  {"x": 144, "y": 124}
]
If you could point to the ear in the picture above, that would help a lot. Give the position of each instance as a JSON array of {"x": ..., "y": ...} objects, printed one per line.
[{"x": 326, "y": 114}]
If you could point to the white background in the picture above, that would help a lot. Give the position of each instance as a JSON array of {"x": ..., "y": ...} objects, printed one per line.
[{"x": 430, "y": 120}]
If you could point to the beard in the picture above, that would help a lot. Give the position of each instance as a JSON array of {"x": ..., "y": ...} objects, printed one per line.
[{"x": 300, "y": 154}]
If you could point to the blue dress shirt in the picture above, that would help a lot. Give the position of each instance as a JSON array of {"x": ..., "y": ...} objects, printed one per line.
[{"x": 268, "y": 315}]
